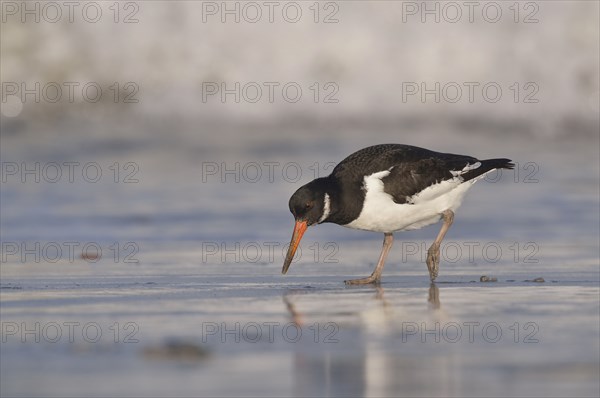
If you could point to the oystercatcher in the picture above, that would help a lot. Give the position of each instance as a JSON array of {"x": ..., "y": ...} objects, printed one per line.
[{"x": 388, "y": 188}]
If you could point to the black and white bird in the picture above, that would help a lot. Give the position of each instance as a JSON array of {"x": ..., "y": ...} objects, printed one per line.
[{"x": 388, "y": 188}]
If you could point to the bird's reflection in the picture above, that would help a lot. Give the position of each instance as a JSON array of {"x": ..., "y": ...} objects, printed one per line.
[
  {"x": 388, "y": 309},
  {"x": 434, "y": 297},
  {"x": 325, "y": 371},
  {"x": 291, "y": 308},
  {"x": 433, "y": 300},
  {"x": 379, "y": 295}
]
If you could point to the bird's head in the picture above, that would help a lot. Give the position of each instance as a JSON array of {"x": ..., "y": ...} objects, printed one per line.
[{"x": 309, "y": 205}]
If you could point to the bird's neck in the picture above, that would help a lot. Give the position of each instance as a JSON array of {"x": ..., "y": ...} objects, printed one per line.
[
  {"x": 345, "y": 202},
  {"x": 332, "y": 197}
]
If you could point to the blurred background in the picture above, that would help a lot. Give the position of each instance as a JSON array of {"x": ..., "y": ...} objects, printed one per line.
[
  {"x": 165, "y": 131},
  {"x": 164, "y": 91}
]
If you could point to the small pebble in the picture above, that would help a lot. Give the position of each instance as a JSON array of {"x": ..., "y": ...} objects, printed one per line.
[
  {"x": 90, "y": 256},
  {"x": 536, "y": 280},
  {"x": 487, "y": 279},
  {"x": 176, "y": 350}
]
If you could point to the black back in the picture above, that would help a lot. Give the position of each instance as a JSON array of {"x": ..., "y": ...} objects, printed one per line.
[{"x": 412, "y": 170}]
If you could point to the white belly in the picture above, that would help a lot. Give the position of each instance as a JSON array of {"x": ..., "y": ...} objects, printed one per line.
[{"x": 380, "y": 213}]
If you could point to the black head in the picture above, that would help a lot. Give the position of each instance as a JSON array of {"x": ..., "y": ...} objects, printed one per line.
[
  {"x": 308, "y": 202},
  {"x": 308, "y": 206}
]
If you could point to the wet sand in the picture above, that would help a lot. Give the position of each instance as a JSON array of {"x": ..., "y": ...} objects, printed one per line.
[{"x": 244, "y": 330}]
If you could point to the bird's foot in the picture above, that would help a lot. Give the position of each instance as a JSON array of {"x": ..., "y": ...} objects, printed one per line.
[
  {"x": 364, "y": 281},
  {"x": 433, "y": 261}
]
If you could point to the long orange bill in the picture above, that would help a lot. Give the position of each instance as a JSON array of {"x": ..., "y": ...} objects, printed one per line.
[{"x": 299, "y": 230}]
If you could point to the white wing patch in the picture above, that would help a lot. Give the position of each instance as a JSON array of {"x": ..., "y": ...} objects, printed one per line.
[
  {"x": 434, "y": 191},
  {"x": 467, "y": 168}
]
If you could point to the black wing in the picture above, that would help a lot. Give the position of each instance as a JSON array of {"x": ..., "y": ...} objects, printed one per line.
[{"x": 412, "y": 169}]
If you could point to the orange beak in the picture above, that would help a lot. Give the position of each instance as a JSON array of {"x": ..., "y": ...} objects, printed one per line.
[{"x": 299, "y": 230}]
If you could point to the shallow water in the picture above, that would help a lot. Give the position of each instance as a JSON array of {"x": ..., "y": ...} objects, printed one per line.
[
  {"x": 264, "y": 334},
  {"x": 187, "y": 299}
]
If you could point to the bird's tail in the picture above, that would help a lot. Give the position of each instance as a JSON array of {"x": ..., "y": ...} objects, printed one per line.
[{"x": 488, "y": 165}]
